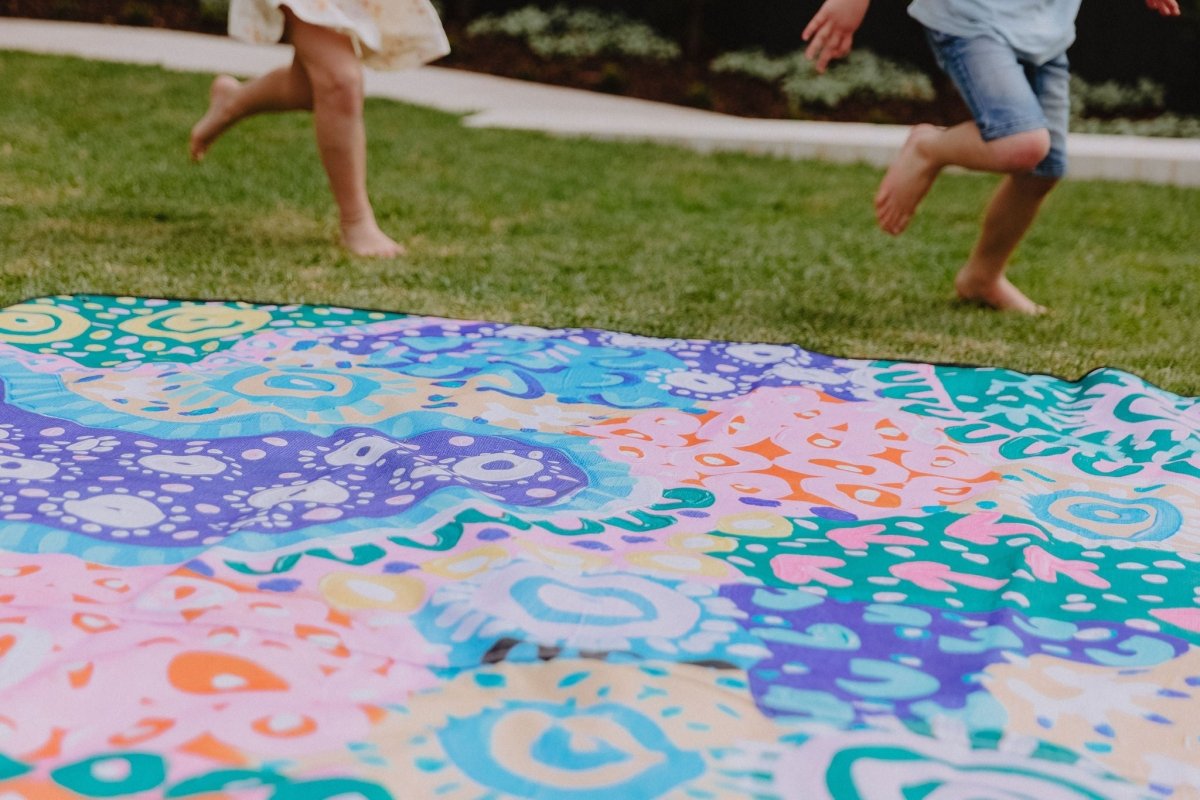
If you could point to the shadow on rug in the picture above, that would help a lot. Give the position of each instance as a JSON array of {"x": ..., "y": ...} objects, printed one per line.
[{"x": 307, "y": 552}]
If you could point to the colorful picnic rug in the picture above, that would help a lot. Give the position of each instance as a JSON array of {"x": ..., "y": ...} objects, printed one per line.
[{"x": 302, "y": 552}]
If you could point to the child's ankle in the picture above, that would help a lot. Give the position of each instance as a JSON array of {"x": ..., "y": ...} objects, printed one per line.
[
  {"x": 974, "y": 276},
  {"x": 358, "y": 220}
]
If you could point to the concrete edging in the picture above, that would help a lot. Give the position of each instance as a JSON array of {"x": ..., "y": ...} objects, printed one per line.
[{"x": 488, "y": 101}]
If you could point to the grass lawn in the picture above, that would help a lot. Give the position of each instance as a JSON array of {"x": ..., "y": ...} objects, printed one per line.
[{"x": 97, "y": 196}]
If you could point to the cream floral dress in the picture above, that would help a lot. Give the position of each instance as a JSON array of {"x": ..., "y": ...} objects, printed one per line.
[{"x": 387, "y": 34}]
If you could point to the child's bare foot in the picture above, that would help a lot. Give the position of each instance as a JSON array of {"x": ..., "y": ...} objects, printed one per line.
[
  {"x": 366, "y": 239},
  {"x": 997, "y": 293},
  {"x": 907, "y": 181},
  {"x": 217, "y": 118}
]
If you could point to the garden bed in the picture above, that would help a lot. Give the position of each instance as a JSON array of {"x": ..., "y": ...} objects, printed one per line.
[
  {"x": 185, "y": 15},
  {"x": 681, "y": 83},
  {"x": 687, "y": 84},
  {"x": 606, "y": 52}
]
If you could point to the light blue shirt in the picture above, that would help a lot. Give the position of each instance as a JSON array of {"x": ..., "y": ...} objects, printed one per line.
[{"x": 1038, "y": 30}]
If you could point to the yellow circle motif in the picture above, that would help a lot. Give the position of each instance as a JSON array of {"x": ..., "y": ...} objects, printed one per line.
[
  {"x": 755, "y": 525},
  {"x": 33, "y": 323},
  {"x": 197, "y": 323},
  {"x": 350, "y": 591}
]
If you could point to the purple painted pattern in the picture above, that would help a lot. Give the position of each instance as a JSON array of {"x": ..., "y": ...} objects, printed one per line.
[
  {"x": 115, "y": 485},
  {"x": 850, "y": 661}
]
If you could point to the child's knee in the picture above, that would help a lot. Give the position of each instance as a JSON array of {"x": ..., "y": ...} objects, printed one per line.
[
  {"x": 342, "y": 87},
  {"x": 1022, "y": 152}
]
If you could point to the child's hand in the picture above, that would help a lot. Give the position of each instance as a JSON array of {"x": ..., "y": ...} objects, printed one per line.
[
  {"x": 830, "y": 33},
  {"x": 1168, "y": 8}
]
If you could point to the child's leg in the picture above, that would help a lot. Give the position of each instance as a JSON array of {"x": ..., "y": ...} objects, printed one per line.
[
  {"x": 283, "y": 89},
  {"x": 930, "y": 149},
  {"x": 1009, "y": 215},
  {"x": 336, "y": 77},
  {"x": 1009, "y": 133},
  {"x": 1020, "y": 115}
]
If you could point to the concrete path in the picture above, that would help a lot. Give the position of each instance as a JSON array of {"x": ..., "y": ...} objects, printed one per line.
[{"x": 490, "y": 102}]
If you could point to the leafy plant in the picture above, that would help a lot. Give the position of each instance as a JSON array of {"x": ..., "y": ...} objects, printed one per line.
[
  {"x": 862, "y": 74},
  {"x": 698, "y": 95},
  {"x": 1112, "y": 99},
  {"x": 757, "y": 64},
  {"x": 214, "y": 10},
  {"x": 1127, "y": 109},
  {"x": 577, "y": 33},
  {"x": 613, "y": 78},
  {"x": 1167, "y": 125}
]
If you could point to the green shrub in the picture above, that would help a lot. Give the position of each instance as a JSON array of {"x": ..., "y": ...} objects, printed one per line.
[
  {"x": 1112, "y": 99},
  {"x": 698, "y": 95},
  {"x": 1168, "y": 125},
  {"x": 214, "y": 10},
  {"x": 613, "y": 78},
  {"x": 577, "y": 33},
  {"x": 136, "y": 12},
  {"x": 863, "y": 74},
  {"x": 757, "y": 64},
  {"x": 1108, "y": 107}
]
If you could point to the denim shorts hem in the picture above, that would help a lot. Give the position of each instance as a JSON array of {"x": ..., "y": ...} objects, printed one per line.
[
  {"x": 1051, "y": 168},
  {"x": 1013, "y": 127}
]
